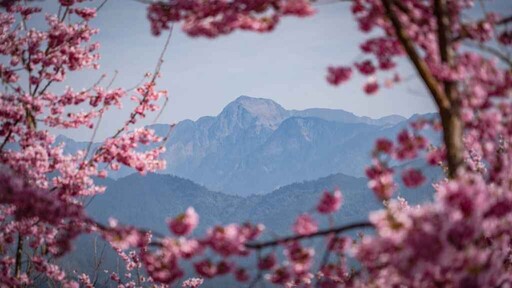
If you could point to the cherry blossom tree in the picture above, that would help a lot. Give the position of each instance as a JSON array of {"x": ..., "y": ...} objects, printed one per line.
[
  {"x": 43, "y": 189},
  {"x": 460, "y": 239}
]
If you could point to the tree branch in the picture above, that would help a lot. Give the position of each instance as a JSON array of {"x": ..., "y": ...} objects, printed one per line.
[
  {"x": 505, "y": 20},
  {"x": 430, "y": 81},
  {"x": 336, "y": 230},
  {"x": 444, "y": 98},
  {"x": 450, "y": 118},
  {"x": 19, "y": 254}
]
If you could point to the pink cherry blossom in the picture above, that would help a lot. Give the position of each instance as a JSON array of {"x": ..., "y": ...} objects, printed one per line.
[
  {"x": 338, "y": 75},
  {"x": 206, "y": 268},
  {"x": 185, "y": 223},
  {"x": 371, "y": 87},
  {"x": 366, "y": 67},
  {"x": 242, "y": 275},
  {"x": 267, "y": 262},
  {"x": 300, "y": 258},
  {"x": 211, "y": 19},
  {"x": 409, "y": 145},
  {"x": 281, "y": 276},
  {"x": 412, "y": 178},
  {"x": 381, "y": 181},
  {"x": 330, "y": 202},
  {"x": 383, "y": 145},
  {"x": 192, "y": 283},
  {"x": 305, "y": 224}
]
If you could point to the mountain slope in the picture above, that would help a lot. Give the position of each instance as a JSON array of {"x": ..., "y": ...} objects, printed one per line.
[
  {"x": 255, "y": 146},
  {"x": 338, "y": 115},
  {"x": 147, "y": 201}
]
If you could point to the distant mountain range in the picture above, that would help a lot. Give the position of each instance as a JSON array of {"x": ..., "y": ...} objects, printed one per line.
[
  {"x": 147, "y": 201},
  {"x": 255, "y": 146},
  {"x": 269, "y": 163}
]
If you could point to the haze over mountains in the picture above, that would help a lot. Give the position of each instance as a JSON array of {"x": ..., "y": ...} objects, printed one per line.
[
  {"x": 255, "y": 146},
  {"x": 147, "y": 201},
  {"x": 267, "y": 163}
]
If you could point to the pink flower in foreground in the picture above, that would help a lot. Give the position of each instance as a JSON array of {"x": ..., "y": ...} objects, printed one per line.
[
  {"x": 241, "y": 275},
  {"x": 330, "y": 202},
  {"x": 409, "y": 145},
  {"x": 193, "y": 282},
  {"x": 412, "y": 178},
  {"x": 305, "y": 225},
  {"x": 267, "y": 262},
  {"x": 436, "y": 156},
  {"x": 231, "y": 239},
  {"x": 184, "y": 223},
  {"x": 224, "y": 267},
  {"x": 338, "y": 75},
  {"x": 67, "y": 3},
  {"x": 300, "y": 258},
  {"x": 282, "y": 276},
  {"x": 206, "y": 268},
  {"x": 339, "y": 244},
  {"x": 162, "y": 266},
  {"x": 383, "y": 145},
  {"x": 381, "y": 181},
  {"x": 371, "y": 87},
  {"x": 301, "y": 8},
  {"x": 86, "y": 13},
  {"x": 366, "y": 67}
]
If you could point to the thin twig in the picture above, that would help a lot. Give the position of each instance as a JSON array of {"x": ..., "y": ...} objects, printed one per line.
[
  {"x": 492, "y": 51},
  {"x": 8, "y": 136},
  {"x": 153, "y": 79}
]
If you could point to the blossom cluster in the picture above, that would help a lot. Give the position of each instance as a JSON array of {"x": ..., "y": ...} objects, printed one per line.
[
  {"x": 214, "y": 18},
  {"x": 44, "y": 189},
  {"x": 459, "y": 240}
]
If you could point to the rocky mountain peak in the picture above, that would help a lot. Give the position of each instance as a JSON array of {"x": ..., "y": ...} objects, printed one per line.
[{"x": 264, "y": 112}]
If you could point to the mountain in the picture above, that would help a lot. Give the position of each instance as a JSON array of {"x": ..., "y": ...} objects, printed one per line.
[
  {"x": 338, "y": 115},
  {"x": 255, "y": 145},
  {"x": 147, "y": 201}
]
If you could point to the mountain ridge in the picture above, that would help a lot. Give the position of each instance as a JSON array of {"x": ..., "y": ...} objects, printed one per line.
[
  {"x": 254, "y": 145},
  {"x": 148, "y": 201}
]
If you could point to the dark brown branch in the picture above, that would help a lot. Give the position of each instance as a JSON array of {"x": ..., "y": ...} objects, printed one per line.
[
  {"x": 505, "y": 20},
  {"x": 141, "y": 230},
  {"x": 336, "y": 230},
  {"x": 8, "y": 136},
  {"x": 450, "y": 118},
  {"x": 420, "y": 65},
  {"x": 256, "y": 279},
  {"x": 448, "y": 108},
  {"x": 19, "y": 254},
  {"x": 443, "y": 30}
]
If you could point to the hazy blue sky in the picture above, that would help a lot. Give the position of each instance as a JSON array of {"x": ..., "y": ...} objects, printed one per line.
[{"x": 203, "y": 75}]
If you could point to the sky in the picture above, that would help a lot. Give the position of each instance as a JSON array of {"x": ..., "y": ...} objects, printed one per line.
[{"x": 203, "y": 75}]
